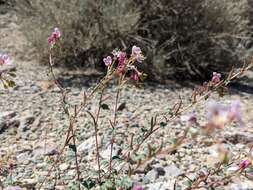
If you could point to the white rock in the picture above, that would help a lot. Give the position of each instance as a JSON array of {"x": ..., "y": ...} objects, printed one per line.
[
  {"x": 172, "y": 171},
  {"x": 63, "y": 166},
  {"x": 86, "y": 146}
]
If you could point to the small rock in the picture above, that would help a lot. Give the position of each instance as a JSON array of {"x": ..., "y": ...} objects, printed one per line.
[
  {"x": 106, "y": 153},
  {"x": 23, "y": 157},
  {"x": 161, "y": 186},
  {"x": 63, "y": 166},
  {"x": 14, "y": 188},
  {"x": 239, "y": 138},
  {"x": 7, "y": 115},
  {"x": 160, "y": 171},
  {"x": 172, "y": 171},
  {"x": 86, "y": 146},
  {"x": 25, "y": 123},
  {"x": 241, "y": 185},
  {"x": 47, "y": 151},
  {"x": 7, "y": 120},
  {"x": 32, "y": 181},
  {"x": 152, "y": 175}
]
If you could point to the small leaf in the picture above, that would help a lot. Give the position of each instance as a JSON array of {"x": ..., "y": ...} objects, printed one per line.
[
  {"x": 72, "y": 147},
  {"x": 188, "y": 183},
  {"x": 89, "y": 183},
  {"x": 105, "y": 163},
  {"x": 227, "y": 82},
  {"x": 144, "y": 130},
  {"x": 143, "y": 76},
  {"x": 5, "y": 85},
  {"x": 105, "y": 107},
  {"x": 122, "y": 106},
  {"x": 116, "y": 158},
  {"x": 206, "y": 97},
  {"x": 163, "y": 124},
  {"x": 12, "y": 74},
  {"x": 11, "y": 83}
]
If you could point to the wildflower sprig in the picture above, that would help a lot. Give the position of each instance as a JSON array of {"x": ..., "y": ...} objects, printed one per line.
[
  {"x": 124, "y": 69},
  {"x": 7, "y": 71},
  {"x": 178, "y": 109},
  {"x": 119, "y": 67}
]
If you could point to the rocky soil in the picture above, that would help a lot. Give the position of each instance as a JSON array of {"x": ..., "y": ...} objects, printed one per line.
[{"x": 33, "y": 127}]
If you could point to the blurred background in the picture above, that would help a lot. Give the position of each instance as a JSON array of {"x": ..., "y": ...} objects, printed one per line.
[{"x": 182, "y": 39}]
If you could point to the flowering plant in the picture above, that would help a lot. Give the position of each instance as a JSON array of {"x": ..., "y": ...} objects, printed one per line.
[
  {"x": 6, "y": 71},
  {"x": 124, "y": 69}
]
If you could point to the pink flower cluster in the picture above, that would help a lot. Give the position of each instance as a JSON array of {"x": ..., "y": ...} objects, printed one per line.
[
  {"x": 124, "y": 64},
  {"x": 4, "y": 59},
  {"x": 137, "y": 54},
  {"x": 107, "y": 60},
  {"x": 244, "y": 164},
  {"x": 216, "y": 78},
  {"x": 137, "y": 187},
  {"x": 191, "y": 119},
  {"x": 219, "y": 115},
  {"x": 54, "y": 37}
]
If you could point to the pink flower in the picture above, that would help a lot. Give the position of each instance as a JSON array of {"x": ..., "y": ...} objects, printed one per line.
[
  {"x": 55, "y": 36},
  {"x": 137, "y": 54},
  {"x": 122, "y": 61},
  {"x": 137, "y": 187},
  {"x": 235, "y": 113},
  {"x": 122, "y": 57},
  {"x": 135, "y": 76},
  {"x": 244, "y": 164},
  {"x": 56, "y": 33},
  {"x": 216, "y": 77},
  {"x": 116, "y": 53},
  {"x": 107, "y": 60},
  {"x": 219, "y": 115},
  {"x": 214, "y": 109},
  {"x": 190, "y": 119},
  {"x": 4, "y": 59},
  {"x": 136, "y": 50}
]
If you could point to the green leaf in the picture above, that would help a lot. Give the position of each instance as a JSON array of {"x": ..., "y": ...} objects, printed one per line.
[
  {"x": 144, "y": 130},
  {"x": 143, "y": 76},
  {"x": 5, "y": 85},
  {"x": 116, "y": 158},
  {"x": 206, "y": 97},
  {"x": 89, "y": 183},
  {"x": 227, "y": 82},
  {"x": 12, "y": 74},
  {"x": 163, "y": 124},
  {"x": 72, "y": 147},
  {"x": 104, "y": 163},
  {"x": 122, "y": 106},
  {"x": 188, "y": 183},
  {"x": 105, "y": 107},
  {"x": 11, "y": 83}
]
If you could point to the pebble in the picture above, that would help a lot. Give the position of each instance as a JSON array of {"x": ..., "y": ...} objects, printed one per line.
[{"x": 63, "y": 167}]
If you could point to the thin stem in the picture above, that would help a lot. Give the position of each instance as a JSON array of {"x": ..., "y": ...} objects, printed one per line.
[
  {"x": 96, "y": 133},
  {"x": 114, "y": 124},
  {"x": 95, "y": 122},
  {"x": 116, "y": 107},
  {"x": 68, "y": 137},
  {"x": 76, "y": 158},
  {"x": 57, "y": 160}
]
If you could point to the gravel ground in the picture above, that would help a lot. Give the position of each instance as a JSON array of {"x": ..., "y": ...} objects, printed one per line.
[{"x": 33, "y": 128}]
